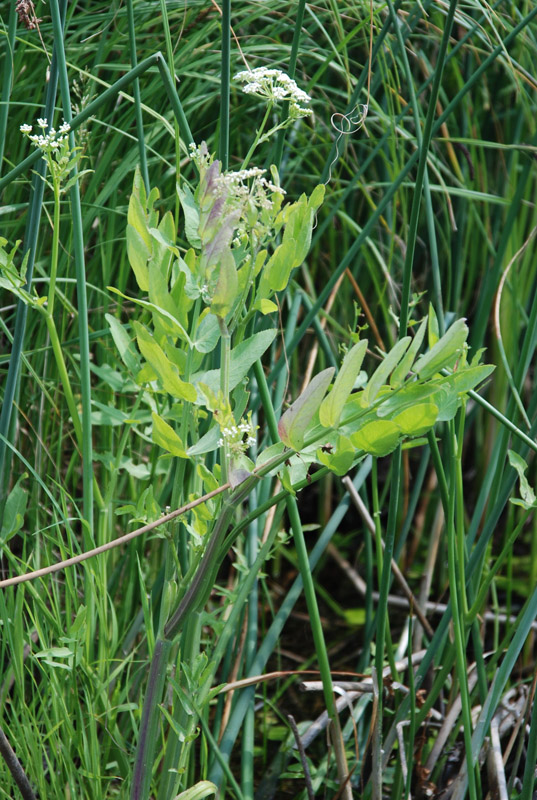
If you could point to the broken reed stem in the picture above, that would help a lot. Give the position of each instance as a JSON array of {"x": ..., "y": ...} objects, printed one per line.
[{"x": 39, "y": 573}]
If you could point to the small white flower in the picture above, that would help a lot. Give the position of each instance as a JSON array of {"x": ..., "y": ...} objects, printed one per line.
[
  {"x": 65, "y": 127},
  {"x": 276, "y": 86},
  {"x": 42, "y": 123},
  {"x": 26, "y": 128}
]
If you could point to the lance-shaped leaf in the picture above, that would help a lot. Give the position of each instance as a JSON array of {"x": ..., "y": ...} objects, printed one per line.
[
  {"x": 123, "y": 342},
  {"x": 294, "y": 423},
  {"x": 192, "y": 216},
  {"x": 221, "y": 241},
  {"x": 242, "y": 359},
  {"x": 403, "y": 368},
  {"x": 380, "y": 376},
  {"x": 278, "y": 269},
  {"x": 445, "y": 352},
  {"x": 227, "y": 285},
  {"x": 332, "y": 405},
  {"x": 165, "y": 436},
  {"x": 210, "y": 222},
  {"x": 163, "y": 367},
  {"x": 465, "y": 379}
]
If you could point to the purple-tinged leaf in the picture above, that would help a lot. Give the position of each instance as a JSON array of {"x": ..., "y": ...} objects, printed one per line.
[{"x": 294, "y": 423}]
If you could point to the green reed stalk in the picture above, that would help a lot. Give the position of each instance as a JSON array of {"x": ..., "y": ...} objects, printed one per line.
[
  {"x": 309, "y": 588},
  {"x": 82, "y": 302},
  {"x": 278, "y": 148},
  {"x": 30, "y": 239},
  {"x": 136, "y": 93},
  {"x": 7, "y": 80},
  {"x": 225, "y": 72}
]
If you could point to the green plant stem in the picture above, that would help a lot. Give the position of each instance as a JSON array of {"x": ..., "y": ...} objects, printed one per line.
[
  {"x": 7, "y": 78},
  {"x": 458, "y": 619},
  {"x": 507, "y": 550},
  {"x": 278, "y": 150},
  {"x": 30, "y": 239},
  {"x": 55, "y": 244},
  {"x": 173, "y": 97},
  {"x": 148, "y": 733},
  {"x": 309, "y": 588},
  {"x": 171, "y": 67},
  {"x": 528, "y": 780},
  {"x": 78, "y": 243},
  {"x": 15, "y": 767},
  {"x": 225, "y": 355},
  {"x": 49, "y": 318},
  {"x": 423, "y": 149},
  {"x": 437, "y": 294},
  {"x": 223, "y": 149},
  {"x": 64, "y": 377},
  {"x": 257, "y": 138},
  {"x": 136, "y": 93},
  {"x": 462, "y": 556}
]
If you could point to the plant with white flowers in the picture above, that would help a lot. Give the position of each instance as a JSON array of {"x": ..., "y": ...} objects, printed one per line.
[
  {"x": 56, "y": 150},
  {"x": 61, "y": 159},
  {"x": 276, "y": 87}
]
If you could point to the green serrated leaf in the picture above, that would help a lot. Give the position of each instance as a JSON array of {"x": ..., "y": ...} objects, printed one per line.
[
  {"x": 294, "y": 423},
  {"x": 332, "y": 405}
]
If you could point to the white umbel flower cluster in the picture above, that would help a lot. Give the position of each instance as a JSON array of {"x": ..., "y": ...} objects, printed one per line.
[
  {"x": 238, "y": 183},
  {"x": 238, "y": 437},
  {"x": 46, "y": 141},
  {"x": 275, "y": 86}
]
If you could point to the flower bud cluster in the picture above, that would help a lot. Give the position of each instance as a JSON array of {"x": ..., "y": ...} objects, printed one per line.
[{"x": 275, "y": 86}]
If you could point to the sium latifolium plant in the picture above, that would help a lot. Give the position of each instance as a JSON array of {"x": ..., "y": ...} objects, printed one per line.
[
  {"x": 60, "y": 160},
  {"x": 205, "y": 321}
]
